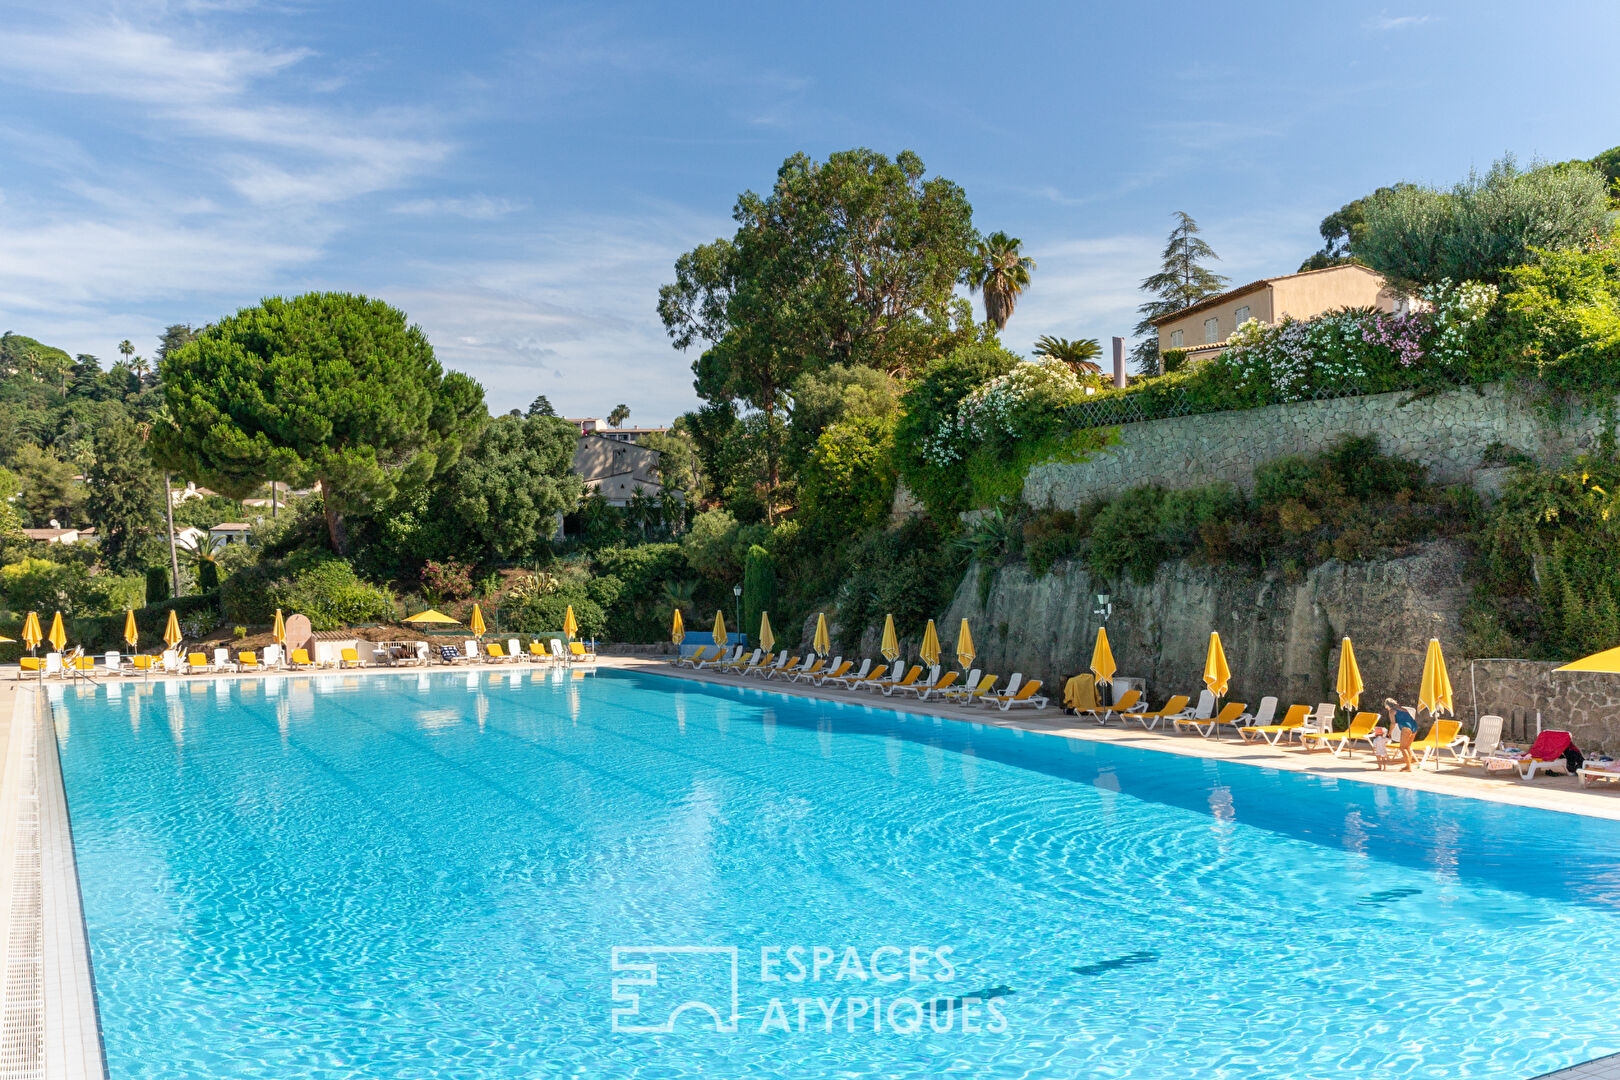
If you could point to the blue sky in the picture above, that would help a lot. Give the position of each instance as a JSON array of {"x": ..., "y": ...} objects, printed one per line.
[{"x": 519, "y": 178}]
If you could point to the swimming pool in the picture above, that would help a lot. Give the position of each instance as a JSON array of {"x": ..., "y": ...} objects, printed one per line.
[{"x": 389, "y": 876}]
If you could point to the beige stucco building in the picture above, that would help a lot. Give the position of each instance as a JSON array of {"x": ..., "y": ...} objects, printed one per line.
[{"x": 1203, "y": 328}]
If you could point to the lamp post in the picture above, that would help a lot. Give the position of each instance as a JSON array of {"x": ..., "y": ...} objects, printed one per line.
[
  {"x": 736, "y": 591},
  {"x": 1105, "y": 606}
]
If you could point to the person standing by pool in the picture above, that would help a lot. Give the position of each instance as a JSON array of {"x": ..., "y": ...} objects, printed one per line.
[{"x": 1402, "y": 719}]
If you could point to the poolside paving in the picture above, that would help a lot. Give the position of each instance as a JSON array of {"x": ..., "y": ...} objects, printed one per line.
[{"x": 1546, "y": 792}]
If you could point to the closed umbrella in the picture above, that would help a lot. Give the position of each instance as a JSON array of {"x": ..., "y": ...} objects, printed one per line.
[
  {"x": 1102, "y": 657},
  {"x": 1217, "y": 676},
  {"x": 58, "y": 635},
  {"x": 766, "y": 638},
  {"x": 476, "y": 623},
  {"x": 1349, "y": 686},
  {"x": 31, "y": 635},
  {"x": 1435, "y": 692},
  {"x": 891, "y": 641},
  {"x": 719, "y": 632},
  {"x": 171, "y": 632},
  {"x": 930, "y": 645},
  {"x": 823, "y": 642},
  {"x": 570, "y": 624},
  {"x": 677, "y": 629},
  {"x": 131, "y": 635},
  {"x": 278, "y": 632},
  {"x": 964, "y": 646}
]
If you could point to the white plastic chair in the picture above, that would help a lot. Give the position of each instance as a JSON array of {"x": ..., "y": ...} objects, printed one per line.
[
  {"x": 113, "y": 661},
  {"x": 272, "y": 655},
  {"x": 222, "y": 660},
  {"x": 515, "y": 651}
]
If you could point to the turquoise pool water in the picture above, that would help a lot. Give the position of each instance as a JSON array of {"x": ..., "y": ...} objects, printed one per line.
[{"x": 428, "y": 876}]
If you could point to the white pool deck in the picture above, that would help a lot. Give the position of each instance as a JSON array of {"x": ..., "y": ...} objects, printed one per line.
[{"x": 48, "y": 1024}]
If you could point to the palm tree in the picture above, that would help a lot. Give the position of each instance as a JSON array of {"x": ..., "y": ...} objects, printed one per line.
[
  {"x": 1081, "y": 354},
  {"x": 618, "y": 416},
  {"x": 1002, "y": 273},
  {"x": 126, "y": 348}
]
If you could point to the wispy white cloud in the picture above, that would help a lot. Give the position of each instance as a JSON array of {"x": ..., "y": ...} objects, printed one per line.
[
  {"x": 1398, "y": 22},
  {"x": 472, "y": 207}
]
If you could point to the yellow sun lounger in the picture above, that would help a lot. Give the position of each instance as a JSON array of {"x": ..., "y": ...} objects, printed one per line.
[
  {"x": 874, "y": 679},
  {"x": 1208, "y": 725},
  {"x": 1361, "y": 727},
  {"x": 1292, "y": 722},
  {"x": 1026, "y": 696},
  {"x": 1172, "y": 707},
  {"x": 903, "y": 684},
  {"x": 1442, "y": 735},
  {"x": 349, "y": 658}
]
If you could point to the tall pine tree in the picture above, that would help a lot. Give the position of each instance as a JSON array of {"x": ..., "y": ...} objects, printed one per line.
[{"x": 1182, "y": 280}]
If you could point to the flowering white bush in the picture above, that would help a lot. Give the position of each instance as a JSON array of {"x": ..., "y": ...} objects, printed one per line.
[
  {"x": 1013, "y": 406},
  {"x": 1280, "y": 359},
  {"x": 1288, "y": 360},
  {"x": 1454, "y": 309}
]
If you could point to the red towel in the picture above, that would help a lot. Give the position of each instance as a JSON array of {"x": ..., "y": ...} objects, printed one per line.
[{"x": 1550, "y": 745}]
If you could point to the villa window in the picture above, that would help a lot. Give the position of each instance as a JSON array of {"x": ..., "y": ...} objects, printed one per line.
[
  {"x": 1175, "y": 339},
  {"x": 1240, "y": 316},
  {"x": 1212, "y": 331}
]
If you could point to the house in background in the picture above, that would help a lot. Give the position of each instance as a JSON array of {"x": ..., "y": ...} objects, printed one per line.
[
  {"x": 1203, "y": 328},
  {"x": 592, "y": 426},
  {"x": 231, "y": 532},
  {"x": 616, "y": 469},
  {"x": 190, "y": 491},
  {"x": 189, "y": 537},
  {"x": 58, "y": 535}
]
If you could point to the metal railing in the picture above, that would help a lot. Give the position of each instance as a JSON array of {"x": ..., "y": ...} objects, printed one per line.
[{"x": 1114, "y": 410}]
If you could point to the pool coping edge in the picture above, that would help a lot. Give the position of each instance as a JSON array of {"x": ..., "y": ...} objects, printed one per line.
[{"x": 70, "y": 1020}]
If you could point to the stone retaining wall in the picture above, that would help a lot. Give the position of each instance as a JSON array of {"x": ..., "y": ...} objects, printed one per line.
[{"x": 1447, "y": 432}]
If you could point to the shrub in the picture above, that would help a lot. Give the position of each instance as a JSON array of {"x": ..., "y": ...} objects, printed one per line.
[
  {"x": 846, "y": 484},
  {"x": 157, "y": 584},
  {"x": 447, "y": 580},
  {"x": 326, "y": 590},
  {"x": 330, "y": 594},
  {"x": 931, "y": 403},
  {"x": 759, "y": 588},
  {"x": 541, "y": 609}
]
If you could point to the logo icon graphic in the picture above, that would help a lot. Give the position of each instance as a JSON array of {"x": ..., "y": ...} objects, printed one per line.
[{"x": 661, "y": 982}]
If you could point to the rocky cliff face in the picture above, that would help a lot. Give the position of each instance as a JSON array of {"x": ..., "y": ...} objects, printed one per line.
[{"x": 1280, "y": 637}]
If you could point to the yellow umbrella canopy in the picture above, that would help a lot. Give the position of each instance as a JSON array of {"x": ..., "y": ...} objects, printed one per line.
[
  {"x": 58, "y": 635},
  {"x": 1435, "y": 693},
  {"x": 964, "y": 645},
  {"x": 5, "y": 639},
  {"x": 1217, "y": 676},
  {"x": 1102, "y": 657},
  {"x": 278, "y": 632},
  {"x": 476, "y": 623},
  {"x": 428, "y": 616},
  {"x": 131, "y": 635},
  {"x": 570, "y": 624},
  {"x": 930, "y": 645},
  {"x": 31, "y": 634},
  {"x": 766, "y": 638},
  {"x": 1350, "y": 685},
  {"x": 171, "y": 632},
  {"x": 823, "y": 640},
  {"x": 719, "y": 627},
  {"x": 891, "y": 641},
  {"x": 1607, "y": 662},
  {"x": 677, "y": 629}
]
